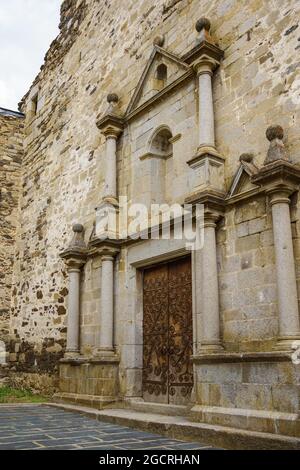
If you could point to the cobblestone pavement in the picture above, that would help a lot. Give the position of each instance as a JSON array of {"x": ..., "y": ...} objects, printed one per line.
[{"x": 29, "y": 427}]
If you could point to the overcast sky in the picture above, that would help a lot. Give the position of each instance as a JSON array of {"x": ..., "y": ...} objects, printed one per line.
[{"x": 27, "y": 27}]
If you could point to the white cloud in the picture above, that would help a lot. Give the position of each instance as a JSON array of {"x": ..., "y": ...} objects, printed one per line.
[{"x": 27, "y": 28}]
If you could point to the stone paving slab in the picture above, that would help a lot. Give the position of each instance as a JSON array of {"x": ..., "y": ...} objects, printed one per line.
[{"x": 42, "y": 427}]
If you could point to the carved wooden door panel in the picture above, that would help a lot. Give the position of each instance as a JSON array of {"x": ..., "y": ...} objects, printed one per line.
[{"x": 167, "y": 332}]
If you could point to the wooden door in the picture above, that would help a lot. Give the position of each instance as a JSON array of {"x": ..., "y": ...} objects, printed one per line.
[{"x": 167, "y": 333}]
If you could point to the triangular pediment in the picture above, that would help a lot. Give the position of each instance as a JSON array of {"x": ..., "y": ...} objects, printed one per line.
[
  {"x": 241, "y": 183},
  {"x": 149, "y": 85}
]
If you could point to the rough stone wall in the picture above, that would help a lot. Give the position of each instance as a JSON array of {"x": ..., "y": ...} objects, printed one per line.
[
  {"x": 103, "y": 47},
  {"x": 11, "y": 152}
]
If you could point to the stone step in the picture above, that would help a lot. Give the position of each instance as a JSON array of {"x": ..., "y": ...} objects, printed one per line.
[
  {"x": 179, "y": 427},
  {"x": 157, "y": 408}
]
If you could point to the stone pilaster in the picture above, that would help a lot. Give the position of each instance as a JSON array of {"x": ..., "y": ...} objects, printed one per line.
[
  {"x": 280, "y": 179},
  {"x": 75, "y": 258}
]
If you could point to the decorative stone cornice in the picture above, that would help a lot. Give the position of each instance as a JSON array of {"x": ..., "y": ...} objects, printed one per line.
[
  {"x": 235, "y": 357},
  {"x": 241, "y": 187},
  {"x": 213, "y": 201},
  {"x": 278, "y": 174},
  {"x": 99, "y": 247},
  {"x": 75, "y": 255},
  {"x": 111, "y": 125}
]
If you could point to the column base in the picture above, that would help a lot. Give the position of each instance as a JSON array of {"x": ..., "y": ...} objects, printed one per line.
[
  {"x": 286, "y": 343},
  {"x": 210, "y": 347},
  {"x": 100, "y": 352},
  {"x": 205, "y": 149},
  {"x": 71, "y": 354}
]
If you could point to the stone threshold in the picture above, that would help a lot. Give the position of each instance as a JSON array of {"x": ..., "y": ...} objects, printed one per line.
[
  {"x": 179, "y": 427},
  {"x": 223, "y": 357}
]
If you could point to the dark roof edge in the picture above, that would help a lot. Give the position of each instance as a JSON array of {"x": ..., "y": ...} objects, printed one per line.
[{"x": 9, "y": 112}]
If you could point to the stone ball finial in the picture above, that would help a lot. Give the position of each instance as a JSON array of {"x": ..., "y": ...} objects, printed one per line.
[
  {"x": 112, "y": 98},
  {"x": 276, "y": 149},
  {"x": 78, "y": 228},
  {"x": 159, "y": 41},
  {"x": 78, "y": 238},
  {"x": 274, "y": 132},
  {"x": 246, "y": 157},
  {"x": 203, "y": 23}
]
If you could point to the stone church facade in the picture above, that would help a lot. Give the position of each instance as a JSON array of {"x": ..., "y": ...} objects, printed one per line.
[{"x": 159, "y": 104}]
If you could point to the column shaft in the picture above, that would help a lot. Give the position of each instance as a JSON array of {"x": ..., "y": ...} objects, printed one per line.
[
  {"x": 210, "y": 338},
  {"x": 111, "y": 167},
  {"x": 285, "y": 267},
  {"x": 206, "y": 109},
  {"x": 107, "y": 304},
  {"x": 73, "y": 312}
]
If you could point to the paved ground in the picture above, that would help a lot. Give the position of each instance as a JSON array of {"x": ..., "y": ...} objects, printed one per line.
[{"x": 47, "y": 428}]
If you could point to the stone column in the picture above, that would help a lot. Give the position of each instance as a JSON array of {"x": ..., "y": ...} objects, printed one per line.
[
  {"x": 107, "y": 304},
  {"x": 206, "y": 300},
  {"x": 206, "y": 108},
  {"x": 75, "y": 258},
  {"x": 280, "y": 178},
  {"x": 207, "y": 164},
  {"x": 111, "y": 126},
  {"x": 289, "y": 328},
  {"x": 107, "y": 251},
  {"x": 73, "y": 310},
  {"x": 210, "y": 325},
  {"x": 207, "y": 62},
  {"x": 110, "y": 189}
]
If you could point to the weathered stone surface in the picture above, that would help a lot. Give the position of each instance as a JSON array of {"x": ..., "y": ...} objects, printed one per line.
[
  {"x": 102, "y": 49},
  {"x": 11, "y": 154}
]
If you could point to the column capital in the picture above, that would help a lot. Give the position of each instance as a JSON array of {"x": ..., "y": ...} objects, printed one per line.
[
  {"x": 111, "y": 126},
  {"x": 112, "y": 123},
  {"x": 74, "y": 265},
  {"x": 205, "y": 65},
  {"x": 107, "y": 256},
  {"x": 279, "y": 176},
  {"x": 279, "y": 195},
  {"x": 213, "y": 202},
  {"x": 104, "y": 248}
]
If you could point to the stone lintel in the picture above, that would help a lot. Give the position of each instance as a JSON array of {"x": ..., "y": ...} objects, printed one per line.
[
  {"x": 99, "y": 247},
  {"x": 203, "y": 50},
  {"x": 280, "y": 175},
  {"x": 228, "y": 357},
  {"x": 111, "y": 124}
]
